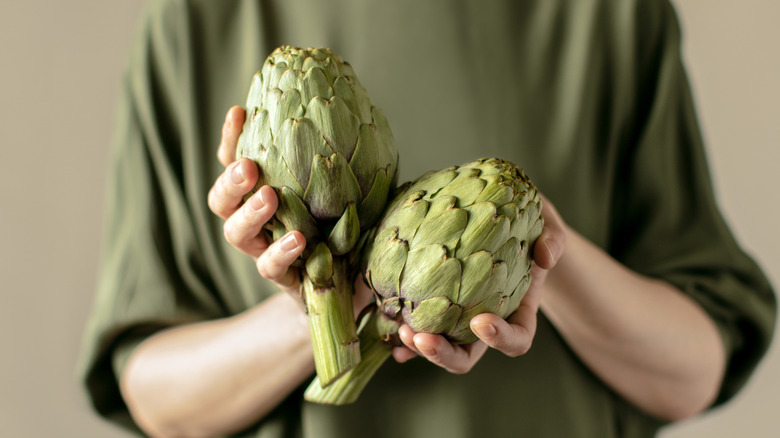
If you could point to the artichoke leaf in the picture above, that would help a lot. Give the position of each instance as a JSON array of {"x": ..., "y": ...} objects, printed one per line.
[
  {"x": 466, "y": 187},
  {"x": 429, "y": 272},
  {"x": 435, "y": 315},
  {"x": 331, "y": 187},
  {"x": 495, "y": 190},
  {"x": 485, "y": 230},
  {"x": 298, "y": 142},
  {"x": 292, "y": 212},
  {"x": 408, "y": 216},
  {"x": 309, "y": 63},
  {"x": 386, "y": 263},
  {"x": 511, "y": 211},
  {"x": 346, "y": 232},
  {"x": 489, "y": 166},
  {"x": 277, "y": 229},
  {"x": 480, "y": 277},
  {"x": 346, "y": 70},
  {"x": 253, "y": 98},
  {"x": 391, "y": 307},
  {"x": 314, "y": 84},
  {"x": 290, "y": 80},
  {"x": 336, "y": 122},
  {"x": 319, "y": 266},
  {"x": 462, "y": 332},
  {"x": 511, "y": 254},
  {"x": 275, "y": 171},
  {"x": 262, "y": 137},
  {"x": 368, "y": 157},
  {"x": 370, "y": 208},
  {"x": 272, "y": 74},
  {"x": 512, "y": 302},
  {"x": 379, "y": 121},
  {"x": 288, "y": 105},
  {"x": 355, "y": 97},
  {"x": 432, "y": 182},
  {"x": 443, "y": 224}
]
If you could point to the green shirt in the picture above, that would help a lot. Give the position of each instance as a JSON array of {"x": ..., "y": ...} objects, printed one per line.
[{"x": 590, "y": 97}]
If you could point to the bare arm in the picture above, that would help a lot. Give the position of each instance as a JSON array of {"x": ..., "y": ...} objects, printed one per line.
[
  {"x": 219, "y": 376},
  {"x": 644, "y": 338}
]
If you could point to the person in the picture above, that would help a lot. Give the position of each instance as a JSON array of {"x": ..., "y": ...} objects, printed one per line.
[{"x": 643, "y": 308}]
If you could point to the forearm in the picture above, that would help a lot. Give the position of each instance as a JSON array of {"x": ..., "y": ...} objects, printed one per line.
[
  {"x": 219, "y": 376},
  {"x": 642, "y": 337}
]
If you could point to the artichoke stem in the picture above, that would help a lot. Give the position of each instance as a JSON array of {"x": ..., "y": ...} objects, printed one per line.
[
  {"x": 331, "y": 321},
  {"x": 346, "y": 389}
]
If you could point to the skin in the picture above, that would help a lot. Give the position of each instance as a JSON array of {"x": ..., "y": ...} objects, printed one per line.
[{"x": 220, "y": 376}]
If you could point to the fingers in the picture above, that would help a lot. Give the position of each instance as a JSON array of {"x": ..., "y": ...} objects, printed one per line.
[
  {"x": 403, "y": 354},
  {"x": 243, "y": 229},
  {"x": 457, "y": 359},
  {"x": 231, "y": 130},
  {"x": 512, "y": 337},
  {"x": 274, "y": 263},
  {"x": 244, "y": 221},
  {"x": 551, "y": 244},
  {"x": 227, "y": 193}
]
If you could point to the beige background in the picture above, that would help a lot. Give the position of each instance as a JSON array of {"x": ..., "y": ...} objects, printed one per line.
[{"x": 61, "y": 65}]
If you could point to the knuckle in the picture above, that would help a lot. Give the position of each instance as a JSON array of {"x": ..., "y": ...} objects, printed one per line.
[
  {"x": 220, "y": 192},
  {"x": 230, "y": 233},
  {"x": 519, "y": 350},
  {"x": 212, "y": 200},
  {"x": 269, "y": 268}
]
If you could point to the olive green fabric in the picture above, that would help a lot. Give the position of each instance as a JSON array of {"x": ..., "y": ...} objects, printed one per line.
[{"x": 590, "y": 97}]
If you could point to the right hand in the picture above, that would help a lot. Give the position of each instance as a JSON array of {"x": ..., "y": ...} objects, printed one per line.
[{"x": 244, "y": 221}]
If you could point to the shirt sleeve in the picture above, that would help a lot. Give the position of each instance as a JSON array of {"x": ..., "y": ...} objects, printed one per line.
[
  {"x": 666, "y": 220},
  {"x": 152, "y": 273}
]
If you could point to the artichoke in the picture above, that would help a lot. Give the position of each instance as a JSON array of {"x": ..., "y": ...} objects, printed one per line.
[
  {"x": 452, "y": 244},
  {"x": 330, "y": 156}
]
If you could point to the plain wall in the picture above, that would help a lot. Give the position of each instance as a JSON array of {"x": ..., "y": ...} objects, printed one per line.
[{"x": 62, "y": 63}]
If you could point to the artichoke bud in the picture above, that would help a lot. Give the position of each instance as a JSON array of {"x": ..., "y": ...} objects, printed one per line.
[
  {"x": 319, "y": 265},
  {"x": 454, "y": 244},
  {"x": 312, "y": 128},
  {"x": 330, "y": 155}
]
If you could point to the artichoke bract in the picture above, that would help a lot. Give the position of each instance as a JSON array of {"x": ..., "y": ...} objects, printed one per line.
[
  {"x": 330, "y": 156},
  {"x": 453, "y": 244}
]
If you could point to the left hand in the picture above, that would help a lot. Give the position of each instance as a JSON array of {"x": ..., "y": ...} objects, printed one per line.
[{"x": 512, "y": 336}]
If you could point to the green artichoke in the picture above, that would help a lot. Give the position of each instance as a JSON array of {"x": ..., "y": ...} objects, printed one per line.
[
  {"x": 453, "y": 244},
  {"x": 330, "y": 156}
]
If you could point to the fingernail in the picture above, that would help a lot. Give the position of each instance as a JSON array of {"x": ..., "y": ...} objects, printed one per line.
[
  {"x": 237, "y": 174},
  {"x": 256, "y": 201},
  {"x": 289, "y": 243},
  {"x": 485, "y": 331}
]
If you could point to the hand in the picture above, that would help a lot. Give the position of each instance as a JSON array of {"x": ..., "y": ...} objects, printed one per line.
[
  {"x": 244, "y": 221},
  {"x": 512, "y": 336}
]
